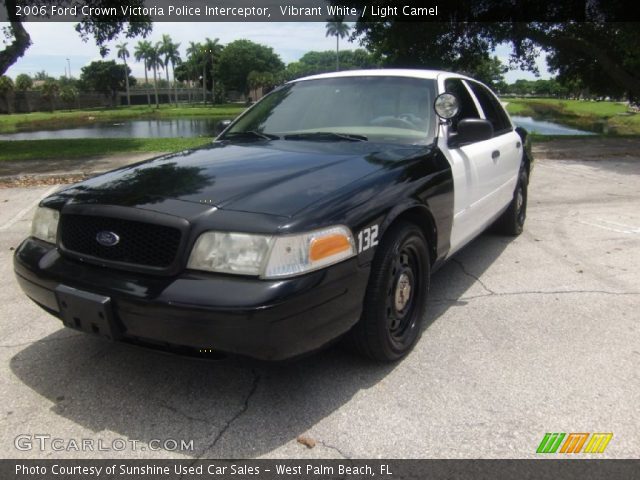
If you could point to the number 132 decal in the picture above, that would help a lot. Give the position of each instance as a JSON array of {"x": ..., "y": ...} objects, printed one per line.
[{"x": 367, "y": 238}]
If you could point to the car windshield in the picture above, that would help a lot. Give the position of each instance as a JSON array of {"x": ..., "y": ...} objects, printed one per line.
[{"x": 376, "y": 108}]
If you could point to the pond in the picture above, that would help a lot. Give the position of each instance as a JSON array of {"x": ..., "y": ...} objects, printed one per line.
[
  {"x": 205, "y": 127},
  {"x": 181, "y": 127},
  {"x": 544, "y": 127}
]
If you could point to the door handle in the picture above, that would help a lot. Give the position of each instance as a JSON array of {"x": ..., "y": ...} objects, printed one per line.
[
  {"x": 518, "y": 144},
  {"x": 495, "y": 154}
]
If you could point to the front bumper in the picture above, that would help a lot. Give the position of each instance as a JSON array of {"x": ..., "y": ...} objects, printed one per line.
[{"x": 265, "y": 319}]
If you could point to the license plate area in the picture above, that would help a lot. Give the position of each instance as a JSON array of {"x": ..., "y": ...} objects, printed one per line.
[{"x": 88, "y": 312}]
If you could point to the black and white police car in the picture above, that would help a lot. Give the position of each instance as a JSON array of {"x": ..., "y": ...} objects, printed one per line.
[{"x": 320, "y": 212}]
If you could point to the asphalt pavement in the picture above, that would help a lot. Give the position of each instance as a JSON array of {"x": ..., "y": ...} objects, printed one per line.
[{"x": 524, "y": 336}]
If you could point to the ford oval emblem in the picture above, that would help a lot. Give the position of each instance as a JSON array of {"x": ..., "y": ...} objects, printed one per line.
[{"x": 107, "y": 239}]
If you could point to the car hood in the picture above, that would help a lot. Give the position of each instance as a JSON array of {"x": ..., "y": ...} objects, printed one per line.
[{"x": 276, "y": 178}]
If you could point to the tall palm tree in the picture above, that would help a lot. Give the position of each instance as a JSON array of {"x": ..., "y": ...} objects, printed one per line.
[
  {"x": 195, "y": 52},
  {"x": 154, "y": 61},
  {"x": 211, "y": 49},
  {"x": 171, "y": 57},
  {"x": 123, "y": 53},
  {"x": 141, "y": 53},
  {"x": 339, "y": 29}
]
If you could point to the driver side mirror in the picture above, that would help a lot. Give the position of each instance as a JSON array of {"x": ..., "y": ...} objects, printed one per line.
[
  {"x": 471, "y": 130},
  {"x": 221, "y": 126}
]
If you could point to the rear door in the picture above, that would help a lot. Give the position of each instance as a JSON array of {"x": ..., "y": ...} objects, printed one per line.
[{"x": 506, "y": 143}]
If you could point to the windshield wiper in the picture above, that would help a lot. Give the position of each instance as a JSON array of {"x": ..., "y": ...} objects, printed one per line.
[
  {"x": 252, "y": 134},
  {"x": 351, "y": 137}
]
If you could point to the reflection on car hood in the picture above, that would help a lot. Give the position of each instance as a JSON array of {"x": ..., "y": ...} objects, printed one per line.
[{"x": 276, "y": 178}]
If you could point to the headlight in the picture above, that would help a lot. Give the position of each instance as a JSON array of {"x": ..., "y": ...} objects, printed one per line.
[
  {"x": 271, "y": 256},
  {"x": 45, "y": 224}
]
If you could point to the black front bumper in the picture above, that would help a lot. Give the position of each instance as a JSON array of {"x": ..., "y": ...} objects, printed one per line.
[{"x": 270, "y": 320}]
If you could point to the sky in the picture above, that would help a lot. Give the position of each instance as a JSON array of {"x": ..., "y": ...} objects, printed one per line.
[{"x": 54, "y": 43}]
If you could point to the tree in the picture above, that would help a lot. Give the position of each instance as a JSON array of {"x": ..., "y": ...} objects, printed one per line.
[
  {"x": 339, "y": 29},
  {"x": 50, "y": 91},
  {"x": 23, "y": 82},
  {"x": 154, "y": 61},
  {"x": 7, "y": 88},
  {"x": 240, "y": 57},
  {"x": 171, "y": 56},
  {"x": 598, "y": 46},
  {"x": 102, "y": 29},
  {"x": 69, "y": 94},
  {"x": 105, "y": 77},
  {"x": 312, "y": 63},
  {"x": 141, "y": 53},
  {"x": 490, "y": 71},
  {"x": 123, "y": 53},
  {"x": 211, "y": 51}
]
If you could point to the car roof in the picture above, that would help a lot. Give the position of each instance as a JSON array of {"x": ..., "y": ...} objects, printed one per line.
[{"x": 384, "y": 72}]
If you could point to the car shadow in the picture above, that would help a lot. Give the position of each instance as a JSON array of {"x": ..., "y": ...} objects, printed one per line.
[{"x": 231, "y": 408}]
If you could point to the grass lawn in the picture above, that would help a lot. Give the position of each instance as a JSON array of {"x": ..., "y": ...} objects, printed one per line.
[
  {"x": 90, "y": 147},
  {"x": 70, "y": 118},
  {"x": 585, "y": 115}
]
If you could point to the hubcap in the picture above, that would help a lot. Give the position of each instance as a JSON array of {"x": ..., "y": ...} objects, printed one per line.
[{"x": 403, "y": 292}]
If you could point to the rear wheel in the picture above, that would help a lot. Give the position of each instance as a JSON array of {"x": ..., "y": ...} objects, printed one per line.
[
  {"x": 396, "y": 296},
  {"x": 511, "y": 222}
]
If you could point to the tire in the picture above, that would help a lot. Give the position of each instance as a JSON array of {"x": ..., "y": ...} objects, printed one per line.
[
  {"x": 396, "y": 296},
  {"x": 511, "y": 222}
]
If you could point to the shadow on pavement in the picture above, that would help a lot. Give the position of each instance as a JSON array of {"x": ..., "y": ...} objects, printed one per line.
[{"x": 235, "y": 407}]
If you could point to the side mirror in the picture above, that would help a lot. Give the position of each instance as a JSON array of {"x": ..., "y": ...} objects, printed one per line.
[
  {"x": 221, "y": 126},
  {"x": 471, "y": 130}
]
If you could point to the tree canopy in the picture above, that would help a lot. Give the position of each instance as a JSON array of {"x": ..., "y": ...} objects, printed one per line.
[
  {"x": 105, "y": 77},
  {"x": 600, "y": 51},
  {"x": 241, "y": 57},
  {"x": 101, "y": 29}
]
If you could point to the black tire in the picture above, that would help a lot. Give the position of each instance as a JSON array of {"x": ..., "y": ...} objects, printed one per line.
[
  {"x": 511, "y": 222},
  {"x": 393, "y": 309}
]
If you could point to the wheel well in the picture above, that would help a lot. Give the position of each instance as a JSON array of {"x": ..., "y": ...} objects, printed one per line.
[{"x": 422, "y": 218}]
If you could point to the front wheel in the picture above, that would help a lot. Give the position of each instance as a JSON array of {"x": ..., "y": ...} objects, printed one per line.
[{"x": 396, "y": 296}]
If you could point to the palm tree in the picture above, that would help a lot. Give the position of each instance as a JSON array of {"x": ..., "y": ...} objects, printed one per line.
[
  {"x": 123, "y": 53},
  {"x": 194, "y": 52},
  {"x": 171, "y": 56},
  {"x": 154, "y": 61},
  {"x": 141, "y": 53},
  {"x": 339, "y": 29},
  {"x": 211, "y": 49}
]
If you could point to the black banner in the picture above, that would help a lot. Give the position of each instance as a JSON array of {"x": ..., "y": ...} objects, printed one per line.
[
  {"x": 322, "y": 10},
  {"x": 320, "y": 469}
]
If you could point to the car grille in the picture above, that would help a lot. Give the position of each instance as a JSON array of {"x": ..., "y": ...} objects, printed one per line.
[{"x": 140, "y": 243}]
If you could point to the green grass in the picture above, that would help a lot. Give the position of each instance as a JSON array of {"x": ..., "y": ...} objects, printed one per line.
[
  {"x": 582, "y": 114},
  {"x": 91, "y": 147},
  {"x": 76, "y": 118}
]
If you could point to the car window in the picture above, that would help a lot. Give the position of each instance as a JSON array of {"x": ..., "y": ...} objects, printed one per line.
[
  {"x": 467, "y": 105},
  {"x": 492, "y": 109},
  {"x": 388, "y": 109}
]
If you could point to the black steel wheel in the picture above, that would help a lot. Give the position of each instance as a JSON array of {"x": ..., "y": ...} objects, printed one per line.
[{"x": 396, "y": 296}]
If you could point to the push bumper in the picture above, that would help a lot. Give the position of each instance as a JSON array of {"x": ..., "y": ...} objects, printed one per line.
[{"x": 269, "y": 320}]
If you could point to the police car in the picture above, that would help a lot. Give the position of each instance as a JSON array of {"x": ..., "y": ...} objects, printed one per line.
[{"x": 319, "y": 213}]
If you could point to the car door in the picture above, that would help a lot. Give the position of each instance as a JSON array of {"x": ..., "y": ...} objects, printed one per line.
[
  {"x": 473, "y": 169},
  {"x": 507, "y": 144}
]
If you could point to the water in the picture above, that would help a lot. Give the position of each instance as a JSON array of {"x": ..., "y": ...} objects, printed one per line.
[
  {"x": 181, "y": 127},
  {"x": 546, "y": 128},
  {"x": 205, "y": 127}
]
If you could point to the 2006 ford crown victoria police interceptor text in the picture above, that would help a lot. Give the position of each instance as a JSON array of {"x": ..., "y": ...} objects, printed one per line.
[{"x": 319, "y": 212}]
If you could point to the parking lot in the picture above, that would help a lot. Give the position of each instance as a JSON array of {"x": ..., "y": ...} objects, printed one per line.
[{"x": 525, "y": 336}]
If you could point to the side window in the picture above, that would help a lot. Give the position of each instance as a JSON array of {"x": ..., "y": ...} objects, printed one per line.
[
  {"x": 492, "y": 109},
  {"x": 467, "y": 106}
]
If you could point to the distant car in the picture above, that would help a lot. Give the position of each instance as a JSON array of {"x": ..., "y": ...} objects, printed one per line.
[{"x": 319, "y": 212}]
